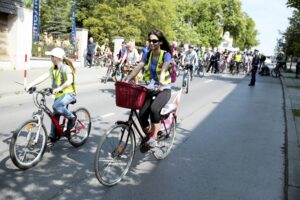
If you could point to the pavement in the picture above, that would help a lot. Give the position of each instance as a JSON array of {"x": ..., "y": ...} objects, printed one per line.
[
  {"x": 291, "y": 91},
  {"x": 12, "y": 81},
  {"x": 12, "y": 85}
]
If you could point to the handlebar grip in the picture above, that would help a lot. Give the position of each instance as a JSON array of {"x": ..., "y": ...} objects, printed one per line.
[{"x": 31, "y": 90}]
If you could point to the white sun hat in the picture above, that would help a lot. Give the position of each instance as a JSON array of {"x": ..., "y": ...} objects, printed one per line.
[{"x": 56, "y": 52}]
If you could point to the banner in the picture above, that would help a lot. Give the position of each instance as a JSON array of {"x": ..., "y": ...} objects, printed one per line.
[
  {"x": 73, "y": 34},
  {"x": 36, "y": 17}
]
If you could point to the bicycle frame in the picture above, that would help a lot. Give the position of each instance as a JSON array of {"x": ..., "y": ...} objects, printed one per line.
[{"x": 39, "y": 116}]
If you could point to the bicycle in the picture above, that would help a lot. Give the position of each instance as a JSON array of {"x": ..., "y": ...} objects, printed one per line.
[
  {"x": 29, "y": 141},
  {"x": 276, "y": 72},
  {"x": 115, "y": 72},
  {"x": 116, "y": 150},
  {"x": 199, "y": 70},
  {"x": 187, "y": 77}
]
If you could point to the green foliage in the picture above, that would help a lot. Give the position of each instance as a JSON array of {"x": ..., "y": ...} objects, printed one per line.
[
  {"x": 292, "y": 35},
  {"x": 200, "y": 22},
  {"x": 55, "y": 16}
]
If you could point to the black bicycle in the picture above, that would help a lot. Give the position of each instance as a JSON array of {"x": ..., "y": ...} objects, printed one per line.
[
  {"x": 277, "y": 71},
  {"x": 116, "y": 150}
]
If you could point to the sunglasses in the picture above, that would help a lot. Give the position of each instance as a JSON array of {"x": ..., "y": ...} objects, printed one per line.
[{"x": 153, "y": 41}]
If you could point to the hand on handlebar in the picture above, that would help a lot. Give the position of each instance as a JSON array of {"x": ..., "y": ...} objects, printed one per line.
[{"x": 57, "y": 90}]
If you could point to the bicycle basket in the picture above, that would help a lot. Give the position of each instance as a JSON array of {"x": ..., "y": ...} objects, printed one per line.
[{"x": 129, "y": 95}]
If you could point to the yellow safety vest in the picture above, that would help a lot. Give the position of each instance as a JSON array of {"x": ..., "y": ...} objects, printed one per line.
[
  {"x": 59, "y": 77},
  {"x": 238, "y": 58},
  {"x": 147, "y": 74}
]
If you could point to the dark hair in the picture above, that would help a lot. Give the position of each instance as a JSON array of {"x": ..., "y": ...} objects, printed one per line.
[{"x": 165, "y": 44}]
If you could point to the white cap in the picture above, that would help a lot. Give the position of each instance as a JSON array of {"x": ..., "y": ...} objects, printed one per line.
[{"x": 56, "y": 52}]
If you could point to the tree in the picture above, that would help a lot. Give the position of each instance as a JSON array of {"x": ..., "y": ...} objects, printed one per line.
[{"x": 55, "y": 16}]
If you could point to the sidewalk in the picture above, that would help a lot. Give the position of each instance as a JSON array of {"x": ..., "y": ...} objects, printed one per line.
[
  {"x": 291, "y": 89},
  {"x": 11, "y": 81}
]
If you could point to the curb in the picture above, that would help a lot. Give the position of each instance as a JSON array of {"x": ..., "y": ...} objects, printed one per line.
[{"x": 291, "y": 148}]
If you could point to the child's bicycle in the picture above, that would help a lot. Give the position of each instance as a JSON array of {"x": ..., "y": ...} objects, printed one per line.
[
  {"x": 29, "y": 142},
  {"x": 115, "y": 152}
]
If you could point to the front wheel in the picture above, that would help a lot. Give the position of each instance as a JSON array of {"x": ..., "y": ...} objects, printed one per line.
[
  {"x": 166, "y": 138},
  {"x": 275, "y": 73},
  {"x": 114, "y": 154},
  {"x": 28, "y": 144},
  {"x": 82, "y": 129}
]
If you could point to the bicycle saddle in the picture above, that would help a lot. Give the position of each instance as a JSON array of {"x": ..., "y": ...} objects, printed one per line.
[{"x": 168, "y": 108}]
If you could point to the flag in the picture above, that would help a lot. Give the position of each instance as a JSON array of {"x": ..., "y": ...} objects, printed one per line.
[
  {"x": 73, "y": 35},
  {"x": 36, "y": 18}
]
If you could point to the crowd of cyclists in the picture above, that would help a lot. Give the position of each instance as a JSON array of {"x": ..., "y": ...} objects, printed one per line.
[{"x": 206, "y": 59}]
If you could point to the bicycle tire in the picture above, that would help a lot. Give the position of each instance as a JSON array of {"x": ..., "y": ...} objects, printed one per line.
[
  {"x": 200, "y": 72},
  {"x": 118, "y": 75},
  {"x": 79, "y": 137},
  {"x": 107, "y": 74},
  {"x": 165, "y": 141},
  {"x": 26, "y": 134},
  {"x": 187, "y": 84},
  {"x": 274, "y": 73},
  {"x": 116, "y": 152}
]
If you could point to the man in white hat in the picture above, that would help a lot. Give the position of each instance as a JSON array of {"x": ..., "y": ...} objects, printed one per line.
[{"x": 62, "y": 75}]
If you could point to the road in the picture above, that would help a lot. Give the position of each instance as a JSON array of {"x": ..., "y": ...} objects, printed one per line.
[{"x": 228, "y": 146}]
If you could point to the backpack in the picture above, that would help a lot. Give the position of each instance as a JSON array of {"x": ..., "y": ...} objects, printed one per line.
[{"x": 172, "y": 69}]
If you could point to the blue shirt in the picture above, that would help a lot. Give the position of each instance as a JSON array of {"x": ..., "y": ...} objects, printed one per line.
[{"x": 153, "y": 64}]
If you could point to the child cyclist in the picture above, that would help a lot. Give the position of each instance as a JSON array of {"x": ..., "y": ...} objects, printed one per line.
[
  {"x": 62, "y": 76},
  {"x": 156, "y": 64}
]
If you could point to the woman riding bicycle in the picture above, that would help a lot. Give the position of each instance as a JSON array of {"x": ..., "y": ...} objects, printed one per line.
[
  {"x": 156, "y": 64},
  {"x": 62, "y": 75}
]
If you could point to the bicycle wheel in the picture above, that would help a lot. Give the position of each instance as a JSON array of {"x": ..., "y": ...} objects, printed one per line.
[
  {"x": 108, "y": 72},
  {"x": 82, "y": 127},
  {"x": 165, "y": 140},
  {"x": 274, "y": 73},
  {"x": 118, "y": 75},
  {"x": 187, "y": 83},
  {"x": 200, "y": 72},
  {"x": 28, "y": 144},
  {"x": 114, "y": 155}
]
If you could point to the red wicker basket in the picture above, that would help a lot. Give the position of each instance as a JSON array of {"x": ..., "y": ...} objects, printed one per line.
[{"x": 129, "y": 95}]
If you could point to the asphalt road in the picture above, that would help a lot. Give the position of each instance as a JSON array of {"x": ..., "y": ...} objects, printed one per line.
[{"x": 228, "y": 146}]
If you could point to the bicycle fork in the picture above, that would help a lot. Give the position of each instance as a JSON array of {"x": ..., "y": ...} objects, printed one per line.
[{"x": 37, "y": 116}]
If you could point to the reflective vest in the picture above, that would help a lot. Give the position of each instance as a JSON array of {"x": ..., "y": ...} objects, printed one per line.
[
  {"x": 59, "y": 77},
  {"x": 238, "y": 58},
  {"x": 147, "y": 74}
]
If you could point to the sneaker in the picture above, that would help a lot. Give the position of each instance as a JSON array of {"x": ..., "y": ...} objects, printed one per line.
[
  {"x": 71, "y": 123},
  {"x": 151, "y": 142}
]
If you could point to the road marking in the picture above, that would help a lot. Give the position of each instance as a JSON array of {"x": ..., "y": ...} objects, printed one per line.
[
  {"x": 208, "y": 81},
  {"x": 107, "y": 115}
]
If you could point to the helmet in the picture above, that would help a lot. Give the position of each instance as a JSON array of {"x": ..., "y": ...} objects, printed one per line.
[{"x": 191, "y": 46}]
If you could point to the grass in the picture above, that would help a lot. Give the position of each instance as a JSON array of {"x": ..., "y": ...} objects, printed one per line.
[{"x": 296, "y": 112}]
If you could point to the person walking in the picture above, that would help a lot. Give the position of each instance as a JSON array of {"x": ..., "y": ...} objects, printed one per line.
[
  {"x": 90, "y": 52},
  {"x": 255, "y": 63}
]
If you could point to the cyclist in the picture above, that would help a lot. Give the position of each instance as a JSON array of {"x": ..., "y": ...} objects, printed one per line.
[
  {"x": 62, "y": 76},
  {"x": 132, "y": 57},
  {"x": 190, "y": 60},
  {"x": 238, "y": 59},
  {"x": 156, "y": 64}
]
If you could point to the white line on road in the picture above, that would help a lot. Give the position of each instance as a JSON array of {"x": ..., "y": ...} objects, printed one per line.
[
  {"x": 208, "y": 81},
  {"x": 107, "y": 115}
]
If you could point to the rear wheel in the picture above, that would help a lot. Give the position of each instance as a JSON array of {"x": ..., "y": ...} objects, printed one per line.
[
  {"x": 275, "y": 73},
  {"x": 165, "y": 140},
  {"x": 82, "y": 129},
  {"x": 28, "y": 144},
  {"x": 114, "y": 155}
]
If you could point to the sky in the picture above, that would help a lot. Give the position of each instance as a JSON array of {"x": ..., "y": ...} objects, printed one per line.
[{"x": 270, "y": 16}]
